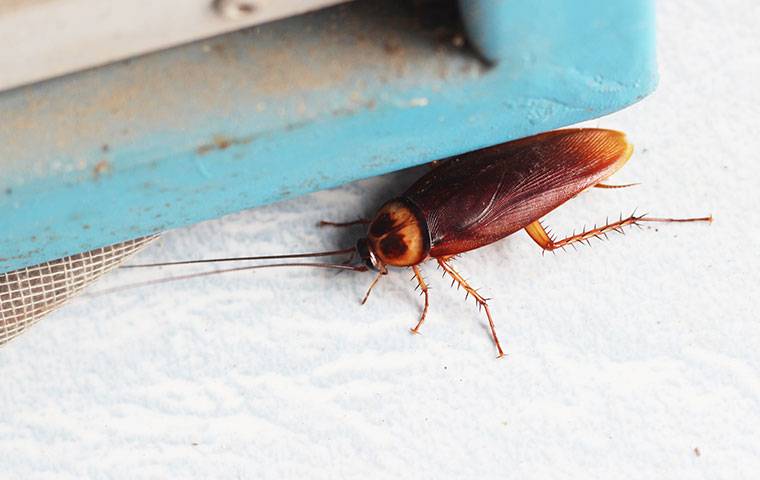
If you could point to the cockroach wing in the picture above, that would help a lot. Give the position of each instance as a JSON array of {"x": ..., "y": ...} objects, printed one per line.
[{"x": 480, "y": 197}]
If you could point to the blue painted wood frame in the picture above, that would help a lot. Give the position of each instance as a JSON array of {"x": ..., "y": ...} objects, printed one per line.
[{"x": 298, "y": 105}]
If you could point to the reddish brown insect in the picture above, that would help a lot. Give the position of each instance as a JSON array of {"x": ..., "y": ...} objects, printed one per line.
[{"x": 475, "y": 199}]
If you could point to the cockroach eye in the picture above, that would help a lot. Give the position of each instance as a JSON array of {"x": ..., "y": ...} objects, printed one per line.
[{"x": 362, "y": 247}]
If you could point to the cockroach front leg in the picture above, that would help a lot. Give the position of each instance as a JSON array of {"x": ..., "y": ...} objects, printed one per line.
[
  {"x": 358, "y": 221},
  {"x": 539, "y": 234},
  {"x": 424, "y": 288},
  {"x": 478, "y": 298},
  {"x": 377, "y": 278}
]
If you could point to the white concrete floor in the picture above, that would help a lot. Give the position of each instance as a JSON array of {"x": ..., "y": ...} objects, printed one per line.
[{"x": 633, "y": 358}]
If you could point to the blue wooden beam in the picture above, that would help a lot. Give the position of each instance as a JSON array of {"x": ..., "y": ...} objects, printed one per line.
[{"x": 298, "y": 105}]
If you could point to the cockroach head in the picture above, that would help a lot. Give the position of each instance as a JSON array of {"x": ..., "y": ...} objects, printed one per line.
[{"x": 368, "y": 256}]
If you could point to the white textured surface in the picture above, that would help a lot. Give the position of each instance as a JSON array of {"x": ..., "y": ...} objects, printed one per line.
[{"x": 623, "y": 358}]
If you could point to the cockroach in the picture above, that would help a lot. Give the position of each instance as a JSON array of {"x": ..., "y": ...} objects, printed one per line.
[{"x": 475, "y": 199}]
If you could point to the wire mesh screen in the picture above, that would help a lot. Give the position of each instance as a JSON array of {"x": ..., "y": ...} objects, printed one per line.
[{"x": 29, "y": 293}]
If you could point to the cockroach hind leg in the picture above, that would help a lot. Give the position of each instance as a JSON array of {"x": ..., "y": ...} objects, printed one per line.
[
  {"x": 481, "y": 301},
  {"x": 423, "y": 290},
  {"x": 604, "y": 185},
  {"x": 539, "y": 235},
  {"x": 708, "y": 219}
]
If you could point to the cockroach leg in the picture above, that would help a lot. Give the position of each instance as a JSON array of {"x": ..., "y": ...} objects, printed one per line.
[
  {"x": 482, "y": 302},
  {"x": 372, "y": 285},
  {"x": 350, "y": 258},
  {"x": 347, "y": 261},
  {"x": 423, "y": 286},
  {"x": 604, "y": 185},
  {"x": 358, "y": 221},
  {"x": 542, "y": 238},
  {"x": 707, "y": 219}
]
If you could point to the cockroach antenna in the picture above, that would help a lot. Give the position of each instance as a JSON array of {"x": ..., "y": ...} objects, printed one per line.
[
  {"x": 341, "y": 267},
  {"x": 243, "y": 259},
  {"x": 158, "y": 281}
]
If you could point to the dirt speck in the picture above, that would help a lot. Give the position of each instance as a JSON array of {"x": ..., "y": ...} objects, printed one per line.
[
  {"x": 220, "y": 142},
  {"x": 246, "y": 7},
  {"x": 697, "y": 452},
  {"x": 8, "y": 191},
  {"x": 101, "y": 168},
  {"x": 392, "y": 47}
]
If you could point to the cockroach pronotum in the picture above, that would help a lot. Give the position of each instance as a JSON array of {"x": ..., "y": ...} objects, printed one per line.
[{"x": 472, "y": 200}]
